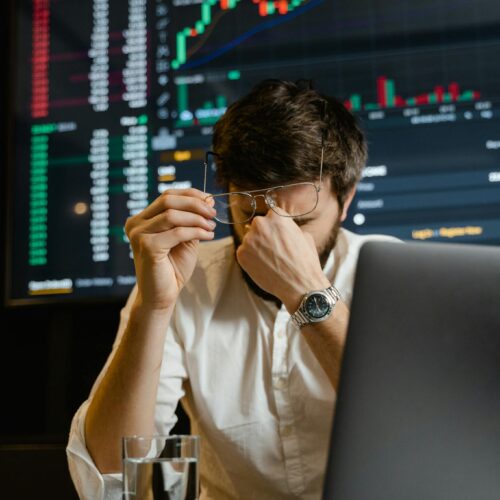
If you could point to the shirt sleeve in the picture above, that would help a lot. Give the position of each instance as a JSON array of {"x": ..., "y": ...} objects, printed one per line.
[{"x": 89, "y": 482}]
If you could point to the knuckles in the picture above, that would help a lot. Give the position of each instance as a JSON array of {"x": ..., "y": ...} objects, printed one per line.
[
  {"x": 177, "y": 232},
  {"x": 261, "y": 227},
  {"x": 134, "y": 237},
  {"x": 129, "y": 227},
  {"x": 165, "y": 202},
  {"x": 168, "y": 214}
]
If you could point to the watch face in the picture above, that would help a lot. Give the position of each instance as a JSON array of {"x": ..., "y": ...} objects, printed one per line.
[{"x": 317, "y": 306}]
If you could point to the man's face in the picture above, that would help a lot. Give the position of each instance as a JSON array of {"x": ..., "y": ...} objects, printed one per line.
[{"x": 322, "y": 224}]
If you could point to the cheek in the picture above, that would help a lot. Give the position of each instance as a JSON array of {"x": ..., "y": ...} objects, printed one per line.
[
  {"x": 321, "y": 230},
  {"x": 329, "y": 213}
]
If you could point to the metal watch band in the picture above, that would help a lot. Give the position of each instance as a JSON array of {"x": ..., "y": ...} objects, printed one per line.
[{"x": 300, "y": 318}]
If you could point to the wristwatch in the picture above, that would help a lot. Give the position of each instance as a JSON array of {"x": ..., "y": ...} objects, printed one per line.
[{"x": 316, "y": 306}]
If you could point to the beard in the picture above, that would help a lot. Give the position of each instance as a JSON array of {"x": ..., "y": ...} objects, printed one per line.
[{"x": 323, "y": 254}]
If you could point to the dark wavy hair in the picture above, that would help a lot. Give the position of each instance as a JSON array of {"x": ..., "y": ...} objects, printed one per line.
[{"x": 274, "y": 135}]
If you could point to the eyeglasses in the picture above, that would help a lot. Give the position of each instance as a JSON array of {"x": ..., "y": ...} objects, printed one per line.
[{"x": 289, "y": 200}]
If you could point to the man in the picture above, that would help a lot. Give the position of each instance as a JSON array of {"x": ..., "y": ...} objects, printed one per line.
[{"x": 247, "y": 331}]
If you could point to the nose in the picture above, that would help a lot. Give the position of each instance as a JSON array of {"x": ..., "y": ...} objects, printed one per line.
[
  {"x": 270, "y": 202},
  {"x": 267, "y": 199},
  {"x": 267, "y": 202}
]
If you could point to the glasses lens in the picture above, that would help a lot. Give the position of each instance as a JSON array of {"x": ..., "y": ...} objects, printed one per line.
[
  {"x": 293, "y": 200},
  {"x": 240, "y": 204}
]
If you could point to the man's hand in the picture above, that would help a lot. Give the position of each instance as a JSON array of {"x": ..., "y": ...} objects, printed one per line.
[
  {"x": 281, "y": 259},
  {"x": 164, "y": 239}
]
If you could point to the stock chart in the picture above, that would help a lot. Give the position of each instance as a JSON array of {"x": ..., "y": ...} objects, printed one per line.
[{"x": 115, "y": 102}]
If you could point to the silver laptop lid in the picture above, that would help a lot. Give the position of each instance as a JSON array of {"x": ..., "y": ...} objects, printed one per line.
[{"x": 418, "y": 411}]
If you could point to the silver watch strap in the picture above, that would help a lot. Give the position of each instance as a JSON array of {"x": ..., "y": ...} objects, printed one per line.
[
  {"x": 300, "y": 319},
  {"x": 333, "y": 293}
]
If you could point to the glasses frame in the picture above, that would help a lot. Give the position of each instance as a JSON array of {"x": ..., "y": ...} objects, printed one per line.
[{"x": 268, "y": 201}]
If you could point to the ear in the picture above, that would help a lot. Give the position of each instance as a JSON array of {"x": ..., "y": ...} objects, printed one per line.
[{"x": 347, "y": 203}]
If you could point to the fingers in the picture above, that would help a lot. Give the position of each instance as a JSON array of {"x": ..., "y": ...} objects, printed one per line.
[
  {"x": 171, "y": 218},
  {"x": 160, "y": 234},
  {"x": 189, "y": 200},
  {"x": 174, "y": 217},
  {"x": 269, "y": 222},
  {"x": 159, "y": 242}
]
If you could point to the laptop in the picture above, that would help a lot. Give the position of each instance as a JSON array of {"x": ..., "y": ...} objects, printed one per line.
[{"x": 418, "y": 409}]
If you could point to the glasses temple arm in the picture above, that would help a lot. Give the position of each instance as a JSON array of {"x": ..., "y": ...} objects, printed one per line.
[{"x": 321, "y": 166}]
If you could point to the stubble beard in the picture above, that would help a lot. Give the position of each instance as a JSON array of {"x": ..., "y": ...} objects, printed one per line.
[{"x": 323, "y": 254}]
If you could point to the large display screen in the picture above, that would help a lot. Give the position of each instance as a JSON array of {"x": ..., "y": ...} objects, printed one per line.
[{"x": 115, "y": 102}]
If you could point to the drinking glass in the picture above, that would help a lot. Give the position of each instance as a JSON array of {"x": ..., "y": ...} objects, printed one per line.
[{"x": 160, "y": 467}]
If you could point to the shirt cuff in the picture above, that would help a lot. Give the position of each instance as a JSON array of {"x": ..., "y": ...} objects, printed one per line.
[{"x": 89, "y": 482}]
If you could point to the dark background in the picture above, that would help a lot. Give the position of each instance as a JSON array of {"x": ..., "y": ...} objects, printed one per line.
[{"x": 50, "y": 356}]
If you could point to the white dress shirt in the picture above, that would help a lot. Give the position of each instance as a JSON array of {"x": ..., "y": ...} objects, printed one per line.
[{"x": 249, "y": 382}]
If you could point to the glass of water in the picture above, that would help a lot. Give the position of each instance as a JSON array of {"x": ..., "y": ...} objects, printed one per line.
[{"x": 161, "y": 467}]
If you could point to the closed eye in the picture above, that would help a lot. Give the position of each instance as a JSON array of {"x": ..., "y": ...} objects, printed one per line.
[
  {"x": 302, "y": 221},
  {"x": 247, "y": 215}
]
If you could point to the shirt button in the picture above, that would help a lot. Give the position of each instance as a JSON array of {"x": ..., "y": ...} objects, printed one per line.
[
  {"x": 280, "y": 383},
  {"x": 286, "y": 431}
]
